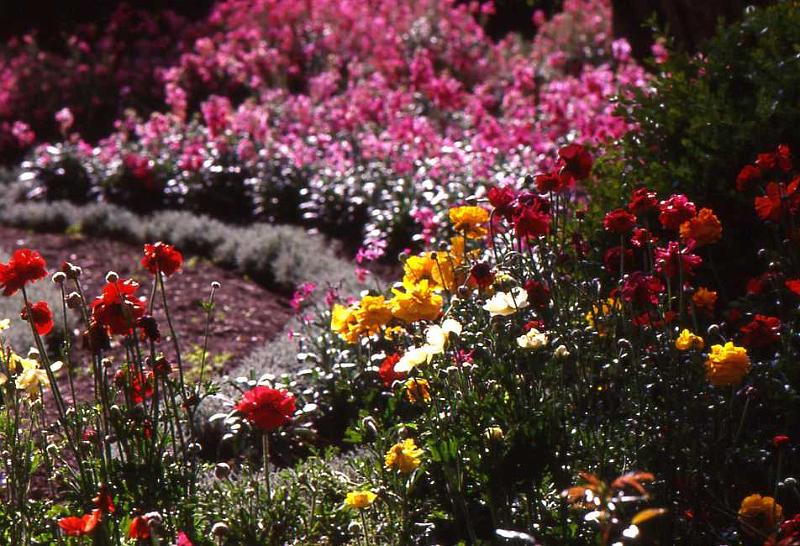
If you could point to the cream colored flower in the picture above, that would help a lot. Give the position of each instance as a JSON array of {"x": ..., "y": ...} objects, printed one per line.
[
  {"x": 507, "y": 303},
  {"x": 561, "y": 352},
  {"x": 532, "y": 339},
  {"x": 5, "y": 324},
  {"x": 436, "y": 337}
]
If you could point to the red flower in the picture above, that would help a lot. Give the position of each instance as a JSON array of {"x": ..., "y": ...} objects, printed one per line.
[
  {"x": 641, "y": 289},
  {"x": 619, "y": 222},
  {"x": 42, "y": 317},
  {"x": 532, "y": 218},
  {"x": 553, "y": 181},
  {"x": 780, "y": 440},
  {"x": 642, "y": 237},
  {"x": 672, "y": 258},
  {"x": 613, "y": 259},
  {"x": 747, "y": 177},
  {"x": 794, "y": 286},
  {"x": 139, "y": 384},
  {"x": 538, "y": 293},
  {"x": 139, "y": 528},
  {"x": 25, "y": 266},
  {"x": 675, "y": 210},
  {"x": 266, "y": 408},
  {"x": 642, "y": 201},
  {"x": 778, "y": 199},
  {"x": 481, "y": 275},
  {"x": 116, "y": 308},
  {"x": 77, "y": 526},
  {"x": 103, "y": 501},
  {"x": 502, "y": 200},
  {"x": 576, "y": 160},
  {"x": 386, "y": 371},
  {"x": 761, "y": 331},
  {"x": 161, "y": 257}
]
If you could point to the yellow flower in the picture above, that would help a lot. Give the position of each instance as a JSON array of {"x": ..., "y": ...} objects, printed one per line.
[
  {"x": 603, "y": 310},
  {"x": 727, "y": 365},
  {"x": 760, "y": 513},
  {"x": 704, "y": 300},
  {"x": 344, "y": 323},
  {"x": 418, "y": 390},
  {"x": 506, "y": 303},
  {"x": 371, "y": 314},
  {"x": 533, "y": 339},
  {"x": 393, "y": 332},
  {"x": 416, "y": 302},
  {"x": 32, "y": 380},
  {"x": 687, "y": 341},
  {"x": 494, "y": 433},
  {"x": 418, "y": 268},
  {"x": 470, "y": 220},
  {"x": 403, "y": 456},
  {"x": 360, "y": 499}
]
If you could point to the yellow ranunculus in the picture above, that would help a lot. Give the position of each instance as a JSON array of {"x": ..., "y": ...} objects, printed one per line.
[
  {"x": 687, "y": 341},
  {"x": 416, "y": 302},
  {"x": 360, "y": 499},
  {"x": 470, "y": 221},
  {"x": 727, "y": 365},
  {"x": 372, "y": 314},
  {"x": 403, "y": 456}
]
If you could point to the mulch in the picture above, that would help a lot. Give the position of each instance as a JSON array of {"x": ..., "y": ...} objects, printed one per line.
[{"x": 246, "y": 315}]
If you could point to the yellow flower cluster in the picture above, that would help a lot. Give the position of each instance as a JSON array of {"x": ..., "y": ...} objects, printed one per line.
[
  {"x": 30, "y": 376},
  {"x": 365, "y": 319},
  {"x": 403, "y": 456},
  {"x": 688, "y": 341},
  {"x": 360, "y": 499},
  {"x": 471, "y": 221},
  {"x": 727, "y": 365},
  {"x": 440, "y": 269}
]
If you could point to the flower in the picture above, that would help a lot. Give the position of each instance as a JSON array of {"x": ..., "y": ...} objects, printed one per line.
[
  {"x": 641, "y": 289},
  {"x": 386, "y": 371},
  {"x": 561, "y": 352},
  {"x": 416, "y": 302},
  {"x": 116, "y": 308},
  {"x": 601, "y": 312},
  {"x": 436, "y": 337},
  {"x": 553, "y": 181},
  {"x": 77, "y": 526},
  {"x": 780, "y": 440},
  {"x": 688, "y": 341},
  {"x": 727, "y": 365},
  {"x": 139, "y": 528},
  {"x": 161, "y": 257},
  {"x": 470, "y": 221},
  {"x": 403, "y": 457},
  {"x": 778, "y": 199},
  {"x": 704, "y": 229},
  {"x": 642, "y": 201},
  {"x": 507, "y": 303},
  {"x": 41, "y": 316},
  {"x": 182, "y": 539},
  {"x": 576, "y": 160},
  {"x": 532, "y": 339},
  {"x": 266, "y": 408},
  {"x": 759, "y": 513},
  {"x": 418, "y": 390},
  {"x": 619, "y": 222},
  {"x": 532, "y": 219},
  {"x": 372, "y": 314},
  {"x": 481, "y": 275},
  {"x": 501, "y": 198},
  {"x": 672, "y": 259},
  {"x": 538, "y": 292},
  {"x": 25, "y": 266},
  {"x": 103, "y": 501},
  {"x": 675, "y": 210},
  {"x": 761, "y": 331},
  {"x": 792, "y": 284},
  {"x": 494, "y": 433},
  {"x": 5, "y": 324},
  {"x": 360, "y": 499},
  {"x": 747, "y": 177},
  {"x": 704, "y": 300},
  {"x": 32, "y": 379}
]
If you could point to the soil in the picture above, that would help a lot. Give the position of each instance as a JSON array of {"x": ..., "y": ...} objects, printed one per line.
[{"x": 245, "y": 315}]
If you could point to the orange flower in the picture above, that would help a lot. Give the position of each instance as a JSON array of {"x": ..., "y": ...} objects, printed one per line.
[
  {"x": 705, "y": 228},
  {"x": 727, "y": 365},
  {"x": 139, "y": 528},
  {"x": 759, "y": 513},
  {"x": 470, "y": 220},
  {"x": 78, "y": 526},
  {"x": 704, "y": 300}
]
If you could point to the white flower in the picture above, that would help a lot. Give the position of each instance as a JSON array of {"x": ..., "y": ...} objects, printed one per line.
[
  {"x": 436, "y": 337},
  {"x": 507, "y": 303},
  {"x": 5, "y": 324},
  {"x": 561, "y": 352},
  {"x": 532, "y": 339}
]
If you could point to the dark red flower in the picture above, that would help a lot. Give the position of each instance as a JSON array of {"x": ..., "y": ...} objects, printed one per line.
[
  {"x": 670, "y": 260},
  {"x": 42, "y": 317},
  {"x": 619, "y": 222},
  {"x": 641, "y": 289},
  {"x": 531, "y": 324},
  {"x": 266, "y": 408},
  {"x": 538, "y": 293},
  {"x": 576, "y": 161},
  {"x": 794, "y": 286},
  {"x": 95, "y": 338},
  {"x": 761, "y": 331},
  {"x": 104, "y": 502},
  {"x": 481, "y": 275},
  {"x": 25, "y": 266},
  {"x": 613, "y": 259},
  {"x": 161, "y": 257},
  {"x": 641, "y": 237},
  {"x": 502, "y": 199},
  {"x": 532, "y": 218},
  {"x": 779, "y": 441},
  {"x": 149, "y": 328},
  {"x": 139, "y": 529},
  {"x": 138, "y": 384},
  {"x": 386, "y": 371},
  {"x": 77, "y": 526},
  {"x": 748, "y": 177},
  {"x": 553, "y": 181},
  {"x": 642, "y": 201},
  {"x": 779, "y": 198},
  {"x": 117, "y": 308},
  {"x": 783, "y": 158},
  {"x": 675, "y": 210}
]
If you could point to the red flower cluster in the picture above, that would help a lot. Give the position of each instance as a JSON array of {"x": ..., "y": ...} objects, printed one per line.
[
  {"x": 643, "y": 201},
  {"x": 619, "y": 222},
  {"x": 117, "y": 309},
  {"x": 761, "y": 331},
  {"x": 161, "y": 257},
  {"x": 266, "y": 408},
  {"x": 673, "y": 259},
  {"x": 641, "y": 289},
  {"x": 41, "y": 316},
  {"x": 781, "y": 195},
  {"x": 675, "y": 210},
  {"x": 25, "y": 266},
  {"x": 386, "y": 371}
]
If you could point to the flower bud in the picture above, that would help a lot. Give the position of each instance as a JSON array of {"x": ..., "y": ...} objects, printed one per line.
[
  {"x": 220, "y": 529},
  {"x": 59, "y": 277},
  {"x": 222, "y": 471},
  {"x": 73, "y": 300},
  {"x": 112, "y": 277}
]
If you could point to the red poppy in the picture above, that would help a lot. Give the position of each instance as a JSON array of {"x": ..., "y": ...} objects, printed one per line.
[
  {"x": 670, "y": 260},
  {"x": 25, "y": 266},
  {"x": 747, "y": 177},
  {"x": 532, "y": 219},
  {"x": 481, "y": 275},
  {"x": 641, "y": 237},
  {"x": 761, "y": 331},
  {"x": 502, "y": 199},
  {"x": 77, "y": 526},
  {"x": 266, "y": 408},
  {"x": 117, "y": 309},
  {"x": 42, "y": 317},
  {"x": 161, "y": 257},
  {"x": 538, "y": 292},
  {"x": 675, "y": 210},
  {"x": 139, "y": 528},
  {"x": 386, "y": 371},
  {"x": 103, "y": 501},
  {"x": 576, "y": 161},
  {"x": 642, "y": 201},
  {"x": 553, "y": 181},
  {"x": 619, "y": 222},
  {"x": 780, "y": 440},
  {"x": 641, "y": 289},
  {"x": 531, "y": 324},
  {"x": 139, "y": 384}
]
